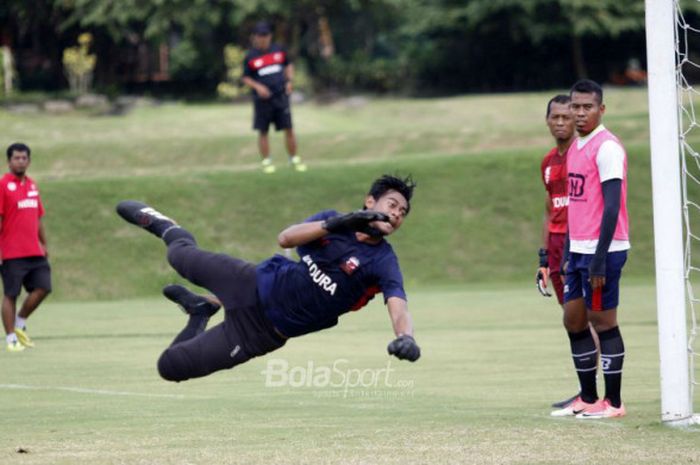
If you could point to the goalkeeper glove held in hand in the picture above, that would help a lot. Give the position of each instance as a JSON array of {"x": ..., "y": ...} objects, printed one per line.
[
  {"x": 356, "y": 221},
  {"x": 404, "y": 347}
]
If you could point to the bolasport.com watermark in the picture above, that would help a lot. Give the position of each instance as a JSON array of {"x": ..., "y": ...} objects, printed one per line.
[{"x": 339, "y": 379}]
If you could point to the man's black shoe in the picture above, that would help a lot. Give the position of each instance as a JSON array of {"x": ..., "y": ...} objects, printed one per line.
[
  {"x": 148, "y": 218},
  {"x": 191, "y": 303}
]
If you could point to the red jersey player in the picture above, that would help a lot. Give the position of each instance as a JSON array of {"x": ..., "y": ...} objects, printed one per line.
[
  {"x": 555, "y": 179},
  {"x": 22, "y": 247}
]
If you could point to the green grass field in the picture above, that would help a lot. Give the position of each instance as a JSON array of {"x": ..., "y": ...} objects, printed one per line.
[
  {"x": 494, "y": 357},
  {"x": 476, "y": 213},
  {"x": 494, "y": 353}
]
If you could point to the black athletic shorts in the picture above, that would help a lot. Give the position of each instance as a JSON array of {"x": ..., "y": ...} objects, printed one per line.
[
  {"x": 245, "y": 332},
  {"x": 272, "y": 110},
  {"x": 30, "y": 272}
]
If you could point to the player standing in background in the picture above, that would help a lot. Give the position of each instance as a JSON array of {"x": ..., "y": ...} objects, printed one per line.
[
  {"x": 555, "y": 178},
  {"x": 23, "y": 251},
  {"x": 596, "y": 251},
  {"x": 560, "y": 122},
  {"x": 269, "y": 73},
  {"x": 345, "y": 262}
]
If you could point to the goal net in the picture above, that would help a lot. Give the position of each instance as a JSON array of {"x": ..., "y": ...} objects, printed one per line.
[
  {"x": 673, "y": 56},
  {"x": 688, "y": 71}
]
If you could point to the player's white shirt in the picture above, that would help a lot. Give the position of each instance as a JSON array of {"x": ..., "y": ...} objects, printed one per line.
[{"x": 611, "y": 165}]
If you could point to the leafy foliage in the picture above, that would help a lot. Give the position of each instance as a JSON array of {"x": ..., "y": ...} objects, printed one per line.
[
  {"x": 233, "y": 57},
  {"x": 380, "y": 45},
  {"x": 79, "y": 64}
]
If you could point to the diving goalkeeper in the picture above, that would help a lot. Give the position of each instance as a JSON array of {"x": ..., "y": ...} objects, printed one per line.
[{"x": 345, "y": 261}]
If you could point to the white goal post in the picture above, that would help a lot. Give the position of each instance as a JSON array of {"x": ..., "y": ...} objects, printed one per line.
[{"x": 668, "y": 207}]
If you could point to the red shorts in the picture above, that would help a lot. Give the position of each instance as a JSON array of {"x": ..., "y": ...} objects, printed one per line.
[{"x": 555, "y": 250}]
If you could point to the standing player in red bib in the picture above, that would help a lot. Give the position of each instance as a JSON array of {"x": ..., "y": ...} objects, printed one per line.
[
  {"x": 22, "y": 247},
  {"x": 596, "y": 251},
  {"x": 560, "y": 122},
  {"x": 269, "y": 72}
]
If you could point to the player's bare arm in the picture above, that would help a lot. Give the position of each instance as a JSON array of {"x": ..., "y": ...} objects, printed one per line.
[
  {"x": 289, "y": 78},
  {"x": 42, "y": 238},
  {"x": 401, "y": 319},
  {"x": 300, "y": 234},
  {"x": 363, "y": 221},
  {"x": 259, "y": 88},
  {"x": 404, "y": 347},
  {"x": 545, "y": 220},
  {"x": 542, "y": 274}
]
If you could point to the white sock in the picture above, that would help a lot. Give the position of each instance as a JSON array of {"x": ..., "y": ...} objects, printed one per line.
[
  {"x": 20, "y": 322},
  {"x": 11, "y": 338}
]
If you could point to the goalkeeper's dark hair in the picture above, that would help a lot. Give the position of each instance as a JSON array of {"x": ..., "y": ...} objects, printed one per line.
[
  {"x": 586, "y": 86},
  {"x": 561, "y": 99},
  {"x": 387, "y": 182},
  {"x": 18, "y": 147}
]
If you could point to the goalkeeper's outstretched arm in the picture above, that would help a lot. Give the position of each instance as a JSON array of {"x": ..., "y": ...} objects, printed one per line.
[
  {"x": 400, "y": 318},
  {"x": 300, "y": 234},
  {"x": 303, "y": 233},
  {"x": 404, "y": 347}
]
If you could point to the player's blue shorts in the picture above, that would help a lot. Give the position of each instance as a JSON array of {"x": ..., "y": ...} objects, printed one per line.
[{"x": 577, "y": 284}]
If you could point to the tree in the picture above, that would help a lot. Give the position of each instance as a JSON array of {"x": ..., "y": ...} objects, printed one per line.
[{"x": 540, "y": 20}]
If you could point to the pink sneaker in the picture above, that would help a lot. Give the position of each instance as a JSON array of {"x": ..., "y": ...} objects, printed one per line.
[
  {"x": 576, "y": 407},
  {"x": 603, "y": 409}
]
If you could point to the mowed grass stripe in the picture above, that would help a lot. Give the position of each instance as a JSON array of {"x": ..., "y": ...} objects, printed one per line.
[{"x": 479, "y": 395}]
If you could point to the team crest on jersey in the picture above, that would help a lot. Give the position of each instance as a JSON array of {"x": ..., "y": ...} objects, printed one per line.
[
  {"x": 577, "y": 183},
  {"x": 11, "y": 186},
  {"x": 350, "y": 265}
]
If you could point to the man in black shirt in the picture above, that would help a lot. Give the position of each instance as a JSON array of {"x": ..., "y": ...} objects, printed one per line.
[{"x": 268, "y": 71}]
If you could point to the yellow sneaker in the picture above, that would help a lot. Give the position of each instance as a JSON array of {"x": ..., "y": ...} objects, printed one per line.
[
  {"x": 297, "y": 164},
  {"x": 15, "y": 346},
  {"x": 23, "y": 337},
  {"x": 267, "y": 166}
]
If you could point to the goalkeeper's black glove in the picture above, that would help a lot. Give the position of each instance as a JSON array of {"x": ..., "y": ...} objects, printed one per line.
[
  {"x": 541, "y": 280},
  {"x": 404, "y": 348},
  {"x": 543, "y": 273},
  {"x": 356, "y": 221}
]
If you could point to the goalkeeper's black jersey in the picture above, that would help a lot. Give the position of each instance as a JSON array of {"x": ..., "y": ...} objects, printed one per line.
[{"x": 336, "y": 274}]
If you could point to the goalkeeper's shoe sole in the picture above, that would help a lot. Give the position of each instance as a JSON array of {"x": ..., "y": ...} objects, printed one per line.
[
  {"x": 575, "y": 408},
  {"x": 14, "y": 346},
  {"x": 189, "y": 302},
  {"x": 147, "y": 217},
  {"x": 23, "y": 337},
  {"x": 565, "y": 402}
]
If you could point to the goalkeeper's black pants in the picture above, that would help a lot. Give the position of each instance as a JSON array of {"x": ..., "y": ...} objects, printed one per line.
[{"x": 245, "y": 332}]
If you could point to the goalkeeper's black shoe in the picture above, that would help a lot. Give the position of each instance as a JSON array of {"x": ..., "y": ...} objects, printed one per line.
[
  {"x": 189, "y": 302},
  {"x": 566, "y": 402},
  {"x": 148, "y": 218}
]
